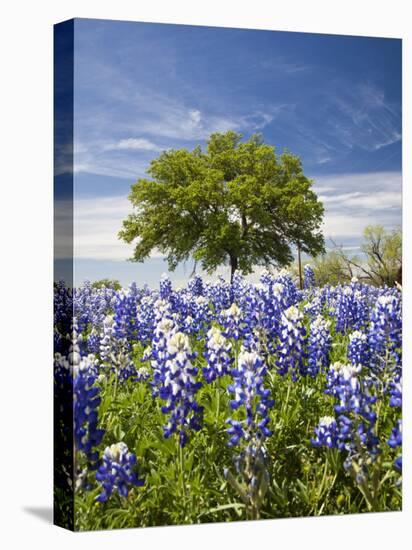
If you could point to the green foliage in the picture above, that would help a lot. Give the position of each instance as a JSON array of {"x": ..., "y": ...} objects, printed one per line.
[
  {"x": 108, "y": 283},
  {"x": 236, "y": 203},
  {"x": 330, "y": 269},
  {"x": 380, "y": 264},
  {"x": 384, "y": 254}
]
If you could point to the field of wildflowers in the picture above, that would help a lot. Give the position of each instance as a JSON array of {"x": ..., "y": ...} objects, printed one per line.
[{"x": 223, "y": 402}]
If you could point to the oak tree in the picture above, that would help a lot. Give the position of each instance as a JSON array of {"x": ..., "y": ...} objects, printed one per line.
[{"x": 236, "y": 202}]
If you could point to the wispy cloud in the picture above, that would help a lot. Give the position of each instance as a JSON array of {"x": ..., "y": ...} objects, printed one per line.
[
  {"x": 97, "y": 222},
  {"x": 361, "y": 116},
  {"x": 115, "y": 113},
  {"x": 367, "y": 183},
  {"x": 96, "y": 225},
  {"x": 128, "y": 157},
  {"x": 335, "y": 120},
  {"x": 353, "y": 201},
  {"x": 132, "y": 144},
  {"x": 148, "y": 110},
  {"x": 285, "y": 66},
  {"x": 106, "y": 165},
  {"x": 379, "y": 199}
]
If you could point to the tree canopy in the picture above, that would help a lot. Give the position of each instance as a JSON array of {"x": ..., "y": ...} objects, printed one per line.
[{"x": 237, "y": 202}]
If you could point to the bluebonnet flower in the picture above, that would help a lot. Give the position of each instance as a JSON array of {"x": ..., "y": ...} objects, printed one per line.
[
  {"x": 93, "y": 341},
  {"x": 358, "y": 348},
  {"x": 343, "y": 383},
  {"x": 63, "y": 317},
  {"x": 290, "y": 292},
  {"x": 238, "y": 288},
  {"x": 87, "y": 399},
  {"x": 57, "y": 341},
  {"x": 165, "y": 287},
  {"x": 200, "y": 313},
  {"x": 179, "y": 389},
  {"x": 336, "y": 433},
  {"x": 195, "y": 286},
  {"x": 281, "y": 295},
  {"x": 251, "y": 311},
  {"x": 174, "y": 380},
  {"x": 157, "y": 353},
  {"x": 232, "y": 321},
  {"x": 82, "y": 305},
  {"x": 396, "y": 392},
  {"x": 314, "y": 306},
  {"x": 117, "y": 472},
  {"x": 178, "y": 306},
  {"x": 309, "y": 280},
  {"x": 188, "y": 325},
  {"x": 395, "y": 440},
  {"x": 253, "y": 399},
  {"x": 267, "y": 309},
  {"x": 326, "y": 433},
  {"x": 162, "y": 310},
  {"x": 329, "y": 296},
  {"x": 256, "y": 341},
  {"x": 355, "y": 407},
  {"x": 115, "y": 351},
  {"x": 142, "y": 374},
  {"x": 91, "y": 305},
  {"x": 350, "y": 307},
  {"x": 78, "y": 401},
  {"x": 63, "y": 305},
  {"x": 250, "y": 393},
  {"x": 219, "y": 295},
  {"x": 125, "y": 316},
  {"x": 146, "y": 318},
  {"x": 266, "y": 278},
  {"x": 362, "y": 301},
  {"x": 102, "y": 301},
  {"x": 65, "y": 467},
  {"x": 107, "y": 338},
  {"x": 354, "y": 429},
  {"x": 217, "y": 353},
  {"x": 290, "y": 350},
  {"x": 385, "y": 332},
  {"x": 319, "y": 344},
  {"x": 344, "y": 309}
]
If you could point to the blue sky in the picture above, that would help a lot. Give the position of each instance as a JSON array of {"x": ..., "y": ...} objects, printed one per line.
[{"x": 141, "y": 88}]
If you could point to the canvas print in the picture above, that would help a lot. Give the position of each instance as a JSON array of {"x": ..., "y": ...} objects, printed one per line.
[{"x": 228, "y": 274}]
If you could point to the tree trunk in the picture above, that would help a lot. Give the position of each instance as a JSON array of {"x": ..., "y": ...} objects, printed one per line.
[
  {"x": 233, "y": 267},
  {"x": 300, "y": 269}
]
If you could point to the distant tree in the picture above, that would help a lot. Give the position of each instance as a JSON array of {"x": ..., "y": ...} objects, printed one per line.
[
  {"x": 330, "y": 269},
  {"x": 108, "y": 283},
  {"x": 236, "y": 203},
  {"x": 383, "y": 256},
  {"x": 381, "y": 262}
]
